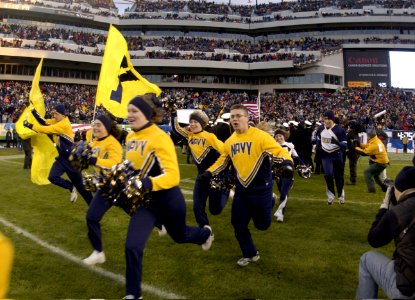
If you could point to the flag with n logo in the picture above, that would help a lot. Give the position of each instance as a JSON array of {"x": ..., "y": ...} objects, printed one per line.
[
  {"x": 253, "y": 109},
  {"x": 44, "y": 152},
  {"x": 118, "y": 81}
]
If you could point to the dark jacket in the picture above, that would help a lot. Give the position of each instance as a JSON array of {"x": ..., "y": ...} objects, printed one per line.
[
  {"x": 352, "y": 142},
  {"x": 390, "y": 225},
  {"x": 222, "y": 131}
]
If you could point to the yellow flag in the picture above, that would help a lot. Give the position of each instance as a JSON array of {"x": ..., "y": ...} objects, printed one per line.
[
  {"x": 44, "y": 152},
  {"x": 118, "y": 81},
  {"x": 36, "y": 101}
]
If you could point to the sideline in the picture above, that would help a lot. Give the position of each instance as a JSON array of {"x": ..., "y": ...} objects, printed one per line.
[{"x": 69, "y": 256}]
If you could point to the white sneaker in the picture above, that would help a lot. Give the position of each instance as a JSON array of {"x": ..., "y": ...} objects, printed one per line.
[
  {"x": 231, "y": 194},
  {"x": 341, "y": 198},
  {"x": 162, "y": 231},
  {"x": 206, "y": 245},
  {"x": 74, "y": 195},
  {"x": 244, "y": 261},
  {"x": 131, "y": 297},
  {"x": 95, "y": 258},
  {"x": 330, "y": 197},
  {"x": 279, "y": 215}
]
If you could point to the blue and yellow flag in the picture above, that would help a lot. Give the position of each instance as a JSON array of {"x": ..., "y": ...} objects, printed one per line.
[
  {"x": 44, "y": 152},
  {"x": 118, "y": 81}
]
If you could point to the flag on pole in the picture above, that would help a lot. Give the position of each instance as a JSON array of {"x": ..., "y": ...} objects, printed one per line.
[
  {"x": 259, "y": 106},
  {"x": 118, "y": 81},
  {"x": 253, "y": 110},
  {"x": 44, "y": 152}
]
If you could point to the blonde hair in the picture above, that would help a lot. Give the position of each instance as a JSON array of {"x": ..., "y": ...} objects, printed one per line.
[{"x": 264, "y": 126}]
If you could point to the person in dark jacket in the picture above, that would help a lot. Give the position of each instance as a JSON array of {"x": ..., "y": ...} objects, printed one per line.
[
  {"x": 352, "y": 136},
  {"x": 222, "y": 129},
  {"x": 394, "y": 221},
  {"x": 27, "y": 148}
]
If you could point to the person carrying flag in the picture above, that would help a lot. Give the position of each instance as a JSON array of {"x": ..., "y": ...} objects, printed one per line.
[{"x": 60, "y": 129}]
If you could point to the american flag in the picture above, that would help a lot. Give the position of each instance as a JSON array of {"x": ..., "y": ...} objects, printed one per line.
[{"x": 253, "y": 110}]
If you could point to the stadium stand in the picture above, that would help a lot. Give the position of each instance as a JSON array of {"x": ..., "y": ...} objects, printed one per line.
[{"x": 292, "y": 52}]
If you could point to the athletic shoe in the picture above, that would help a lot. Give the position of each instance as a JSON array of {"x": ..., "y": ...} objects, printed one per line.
[
  {"x": 132, "y": 297},
  {"x": 74, "y": 195},
  {"x": 231, "y": 194},
  {"x": 162, "y": 231},
  {"x": 279, "y": 215},
  {"x": 341, "y": 198},
  {"x": 206, "y": 245},
  {"x": 95, "y": 258},
  {"x": 330, "y": 197},
  {"x": 244, "y": 261}
]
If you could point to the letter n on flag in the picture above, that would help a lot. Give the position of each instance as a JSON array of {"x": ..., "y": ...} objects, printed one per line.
[
  {"x": 118, "y": 81},
  {"x": 252, "y": 108}
]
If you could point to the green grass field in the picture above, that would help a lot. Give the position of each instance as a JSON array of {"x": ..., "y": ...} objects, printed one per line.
[{"x": 314, "y": 254}]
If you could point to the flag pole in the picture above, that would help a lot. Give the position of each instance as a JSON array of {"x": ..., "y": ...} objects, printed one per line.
[{"x": 259, "y": 106}]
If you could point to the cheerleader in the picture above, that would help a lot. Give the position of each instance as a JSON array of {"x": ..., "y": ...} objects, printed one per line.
[
  {"x": 152, "y": 151},
  {"x": 60, "y": 130},
  {"x": 205, "y": 148},
  {"x": 106, "y": 152},
  {"x": 286, "y": 181},
  {"x": 249, "y": 150}
]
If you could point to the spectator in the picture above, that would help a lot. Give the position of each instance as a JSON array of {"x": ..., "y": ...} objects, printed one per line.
[
  {"x": 8, "y": 137},
  {"x": 27, "y": 148},
  {"x": 394, "y": 221}
]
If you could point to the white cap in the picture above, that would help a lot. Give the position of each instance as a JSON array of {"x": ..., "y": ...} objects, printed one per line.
[
  {"x": 318, "y": 123},
  {"x": 307, "y": 122},
  {"x": 293, "y": 122},
  {"x": 226, "y": 116},
  {"x": 285, "y": 124}
]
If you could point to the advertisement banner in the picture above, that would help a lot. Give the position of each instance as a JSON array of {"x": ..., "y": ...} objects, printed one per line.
[{"x": 366, "y": 68}]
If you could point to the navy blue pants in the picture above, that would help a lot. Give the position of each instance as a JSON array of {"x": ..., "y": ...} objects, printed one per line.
[
  {"x": 96, "y": 211},
  {"x": 284, "y": 185},
  {"x": 62, "y": 165},
  {"x": 334, "y": 168},
  {"x": 168, "y": 208},
  {"x": 246, "y": 206},
  {"x": 217, "y": 201}
]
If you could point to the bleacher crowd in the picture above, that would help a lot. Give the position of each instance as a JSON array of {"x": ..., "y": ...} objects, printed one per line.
[
  {"x": 359, "y": 104},
  {"x": 211, "y": 11}
]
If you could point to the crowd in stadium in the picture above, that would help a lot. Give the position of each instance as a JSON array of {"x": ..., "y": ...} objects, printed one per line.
[
  {"x": 170, "y": 46},
  {"x": 358, "y": 104},
  {"x": 223, "y": 12}
]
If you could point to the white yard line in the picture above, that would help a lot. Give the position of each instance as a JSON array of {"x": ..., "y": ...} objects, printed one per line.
[{"x": 69, "y": 256}]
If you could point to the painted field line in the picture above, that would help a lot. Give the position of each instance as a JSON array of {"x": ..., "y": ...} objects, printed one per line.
[
  {"x": 322, "y": 200},
  {"x": 11, "y": 162},
  {"x": 69, "y": 256}
]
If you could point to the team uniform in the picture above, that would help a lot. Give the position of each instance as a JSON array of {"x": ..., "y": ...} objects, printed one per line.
[
  {"x": 106, "y": 152},
  {"x": 286, "y": 181},
  {"x": 378, "y": 161},
  {"x": 63, "y": 138},
  {"x": 205, "y": 148},
  {"x": 332, "y": 142},
  {"x": 250, "y": 154},
  {"x": 152, "y": 151}
]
